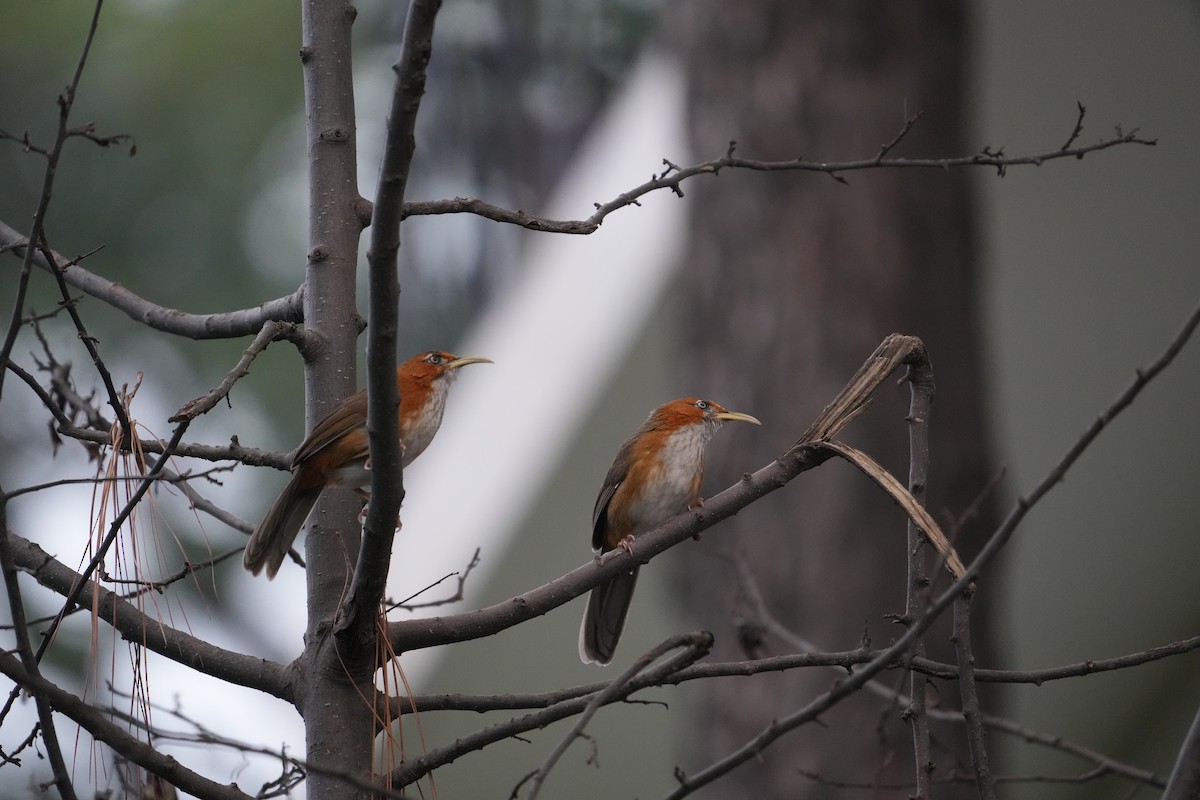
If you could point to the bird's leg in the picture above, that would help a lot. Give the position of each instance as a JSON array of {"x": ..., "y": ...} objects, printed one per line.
[
  {"x": 698, "y": 504},
  {"x": 362, "y": 512},
  {"x": 365, "y": 496},
  {"x": 626, "y": 543}
]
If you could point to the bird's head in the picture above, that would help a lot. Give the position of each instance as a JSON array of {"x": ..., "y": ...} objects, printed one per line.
[
  {"x": 694, "y": 410},
  {"x": 435, "y": 364}
]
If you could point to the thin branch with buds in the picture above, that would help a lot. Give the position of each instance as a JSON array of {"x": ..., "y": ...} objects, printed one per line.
[{"x": 673, "y": 176}]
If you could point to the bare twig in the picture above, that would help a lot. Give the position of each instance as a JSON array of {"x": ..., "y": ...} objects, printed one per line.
[
  {"x": 1094, "y": 774},
  {"x": 144, "y": 587},
  {"x": 994, "y": 544},
  {"x": 188, "y": 569},
  {"x": 88, "y": 131},
  {"x": 271, "y": 331},
  {"x": 155, "y": 635},
  {"x": 25, "y": 141},
  {"x": 415, "y": 768},
  {"x": 1066, "y": 746},
  {"x": 921, "y": 390},
  {"x": 166, "y": 477},
  {"x": 844, "y": 661},
  {"x": 102, "y": 729},
  {"x": 16, "y": 607},
  {"x": 204, "y": 736},
  {"x": 1184, "y": 782},
  {"x": 62, "y": 386},
  {"x": 115, "y": 399},
  {"x": 695, "y": 646},
  {"x": 234, "y": 451},
  {"x": 559, "y": 704},
  {"x": 37, "y": 239},
  {"x": 226, "y": 325},
  {"x": 909, "y": 123},
  {"x": 925, "y": 666},
  {"x": 460, "y": 578},
  {"x": 114, "y": 528},
  {"x": 65, "y": 101},
  {"x": 672, "y": 178},
  {"x": 201, "y": 503},
  {"x": 1078, "y": 128},
  {"x": 985, "y": 782}
]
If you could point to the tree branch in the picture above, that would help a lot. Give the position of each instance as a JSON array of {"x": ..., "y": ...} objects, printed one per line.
[
  {"x": 416, "y": 768},
  {"x": 226, "y": 325},
  {"x": 844, "y": 660},
  {"x": 921, "y": 390},
  {"x": 994, "y": 544},
  {"x": 1184, "y": 782},
  {"x": 672, "y": 178},
  {"x": 153, "y": 634},
  {"x": 142, "y": 754},
  {"x": 234, "y": 451},
  {"x": 37, "y": 239},
  {"x": 694, "y": 645},
  {"x": 358, "y": 615},
  {"x": 16, "y": 606},
  {"x": 271, "y": 331},
  {"x": 985, "y": 782}
]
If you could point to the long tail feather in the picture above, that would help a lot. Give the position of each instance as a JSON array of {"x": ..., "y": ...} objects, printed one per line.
[
  {"x": 608, "y": 606},
  {"x": 271, "y": 540}
]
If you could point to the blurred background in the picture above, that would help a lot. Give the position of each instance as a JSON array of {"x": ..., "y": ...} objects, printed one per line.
[{"x": 1038, "y": 294}]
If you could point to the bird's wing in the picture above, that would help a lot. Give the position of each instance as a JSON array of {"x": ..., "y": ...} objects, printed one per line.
[
  {"x": 612, "y": 481},
  {"x": 599, "y": 517},
  {"x": 345, "y": 417}
]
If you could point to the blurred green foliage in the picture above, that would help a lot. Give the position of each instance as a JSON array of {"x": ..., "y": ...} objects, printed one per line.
[{"x": 202, "y": 89}]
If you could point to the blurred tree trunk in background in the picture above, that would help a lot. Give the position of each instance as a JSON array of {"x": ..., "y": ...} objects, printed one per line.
[{"x": 790, "y": 282}]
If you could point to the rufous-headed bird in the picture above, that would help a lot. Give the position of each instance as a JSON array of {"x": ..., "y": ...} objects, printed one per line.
[
  {"x": 655, "y": 476},
  {"x": 336, "y": 452}
]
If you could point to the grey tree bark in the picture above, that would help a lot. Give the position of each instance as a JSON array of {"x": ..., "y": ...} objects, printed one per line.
[
  {"x": 333, "y": 682},
  {"x": 789, "y": 283}
]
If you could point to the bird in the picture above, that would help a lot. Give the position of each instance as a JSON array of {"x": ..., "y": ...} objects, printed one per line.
[
  {"x": 655, "y": 476},
  {"x": 335, "y": 453}
]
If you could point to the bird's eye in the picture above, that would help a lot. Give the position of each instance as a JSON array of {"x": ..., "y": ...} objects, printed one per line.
[
  {"x": 435, "y": 358},
  {"x": 702, "y": 404}
]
